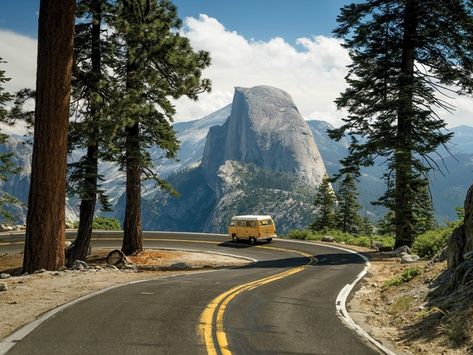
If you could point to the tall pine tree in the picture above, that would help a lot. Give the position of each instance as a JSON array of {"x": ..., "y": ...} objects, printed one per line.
[
  {"x": 156, "y": 64},
  {"x": 325, "y": 203},
  {"x": 7, "y": 166},
  {"x": 348, "y": 219},
  {"x": 403, "y": 54},
  {"x": 93, "y": 97},
  {"x": 45, "y": 222}
]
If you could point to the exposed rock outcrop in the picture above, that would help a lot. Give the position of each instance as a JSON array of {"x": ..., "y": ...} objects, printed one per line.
[
  {"x": 265, "y": 128},
  {"x": 461, "y": 240}
]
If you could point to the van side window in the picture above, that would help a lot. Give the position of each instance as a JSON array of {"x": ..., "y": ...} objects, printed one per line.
[
  {"x": 241, "y": 223},
  {"x": 265, "y": 222},
  {"x": 250, "y": 223}
]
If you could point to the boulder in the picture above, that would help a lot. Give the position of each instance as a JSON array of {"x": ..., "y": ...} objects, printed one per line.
[
  {"x": 3, "y": 286},
  {"x": 117, "y": 258},
  {"x": 4, "y": 275},
  {"x": 399, "y": 251},
  {"x": 79, "y": 265},
  {"x": 179, "y": 266},
  {"x": 327, "y": 238},
  {"x": 409, "y": 258},
  {"x": 5, "y": 228}
]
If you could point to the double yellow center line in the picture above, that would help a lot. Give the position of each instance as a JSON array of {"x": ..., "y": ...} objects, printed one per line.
[{"x": 211, "y": 319}]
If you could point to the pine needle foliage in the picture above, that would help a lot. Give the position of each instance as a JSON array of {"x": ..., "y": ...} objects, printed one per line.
[
  {"x": 407, "y": 57},
  {"x": 325, "y": 203}
]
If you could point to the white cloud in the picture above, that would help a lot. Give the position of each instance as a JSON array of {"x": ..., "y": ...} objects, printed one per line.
[
  {"x": 20, "y": 54},
  {"x": 311, "y": 72}
]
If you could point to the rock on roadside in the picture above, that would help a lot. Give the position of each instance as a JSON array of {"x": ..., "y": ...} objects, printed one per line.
[{"x": 3, "y": 286}]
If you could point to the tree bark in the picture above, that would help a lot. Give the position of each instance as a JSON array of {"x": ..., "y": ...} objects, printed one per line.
[
  {"x": 45, "y": 224},
  {"x": 79, "y": 248},
  {"x": 132, "y": 229},
  {"x": 404, "y": 196}
]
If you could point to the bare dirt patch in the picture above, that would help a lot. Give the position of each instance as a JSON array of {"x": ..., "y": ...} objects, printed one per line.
[
  {"x": 403, "y": 316},
  {"x": 30, "y": 296}
]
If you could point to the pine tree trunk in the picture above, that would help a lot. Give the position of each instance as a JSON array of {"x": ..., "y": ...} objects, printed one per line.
[
  {"x": 79, "y": 248},
  {"x": 45, "y": 224},
  {"x": 132, "y": 229},
  {"x": 404, "y": 196}
]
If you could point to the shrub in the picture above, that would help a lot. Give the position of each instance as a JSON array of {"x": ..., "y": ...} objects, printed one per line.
[
  {"x": 428, "y": 244},
  {"x": 300, "y": 234},
  {"x": 103, "y": 223},
  {"x": 341, "y": 237},
  {"x": 106, "y": 223},
  {"x": 406, "y": 276}
]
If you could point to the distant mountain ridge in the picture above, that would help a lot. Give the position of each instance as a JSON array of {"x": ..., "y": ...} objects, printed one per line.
[{"x": 193, "y": 182}]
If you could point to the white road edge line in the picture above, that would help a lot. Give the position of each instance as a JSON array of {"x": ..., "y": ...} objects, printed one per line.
[
  {"x": 11, "y": 340},
  {"x": 340, "y": 302}
]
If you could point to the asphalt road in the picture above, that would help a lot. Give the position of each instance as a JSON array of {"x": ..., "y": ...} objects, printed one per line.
[{"x": 281, "y": 304}]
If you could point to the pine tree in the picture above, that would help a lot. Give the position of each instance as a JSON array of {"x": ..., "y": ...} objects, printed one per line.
[
  {"x": 348, "y": 219},
  {"x": 7, "y": 166},
  {"x": 325, "y": 202},
  {"x": 45, "y": 223},
  {"x": 367, "y": 228},
  {"x": 424, "y": 217},
  {"x": 156, "y": 64},
  {"x": 403, "y": 53},
  {"x": 93, "y": 95}
]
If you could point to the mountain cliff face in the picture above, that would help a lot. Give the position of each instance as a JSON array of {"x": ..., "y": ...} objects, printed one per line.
[
  {"x": 266, "y": 129},
  {"x": 265, "y": 137}
]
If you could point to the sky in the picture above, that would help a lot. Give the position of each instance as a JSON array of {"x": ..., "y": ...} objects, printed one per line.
[{"x": 286, "y": 44}]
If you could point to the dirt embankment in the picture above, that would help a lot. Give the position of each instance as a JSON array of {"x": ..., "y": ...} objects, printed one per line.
[{"x": 405, "y": 316}]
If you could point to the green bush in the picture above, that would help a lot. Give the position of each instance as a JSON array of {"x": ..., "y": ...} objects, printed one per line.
[
  {"x": 300, "y": 234},
  {"x": 341, "y": 237},
  {"x": 428, "y": 244},
  {"x": 104, "y": 223},
  {"x": 406, "y": 276}
]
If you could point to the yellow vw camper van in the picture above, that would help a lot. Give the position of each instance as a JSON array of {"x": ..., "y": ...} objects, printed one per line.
[{"x": 252, "y": 228}]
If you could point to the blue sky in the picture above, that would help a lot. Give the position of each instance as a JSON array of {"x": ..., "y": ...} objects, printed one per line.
[
  {"x": 285, "y": 44},
  {"x": 254, "y": 19}
]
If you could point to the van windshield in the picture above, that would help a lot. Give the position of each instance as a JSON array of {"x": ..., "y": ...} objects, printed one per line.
[{"x": 265, "y": 222}]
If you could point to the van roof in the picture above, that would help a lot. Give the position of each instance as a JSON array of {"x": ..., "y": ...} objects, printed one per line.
[{"x": 250, "y": 217}]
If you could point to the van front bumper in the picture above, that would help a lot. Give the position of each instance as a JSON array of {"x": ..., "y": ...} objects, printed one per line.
[{"x": 266, "y": 237}]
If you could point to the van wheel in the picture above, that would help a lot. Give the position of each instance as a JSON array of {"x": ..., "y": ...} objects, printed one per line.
[
  {"x": 252, "y": 240},
  {"x": 234, "y": 238},
  {"x": 269, "y": 240}
]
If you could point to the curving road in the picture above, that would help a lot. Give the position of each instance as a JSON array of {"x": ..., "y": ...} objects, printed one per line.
[{"x": 284, "y": 303}]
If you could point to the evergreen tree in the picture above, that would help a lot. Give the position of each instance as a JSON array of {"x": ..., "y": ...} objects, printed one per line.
[
  {"x": 386, "y": 225},
  {"x": 7, "y": 166},
  {"x": 367, "y": 227},
  {"x": 156, "y": 64},
  {"x": 403, "y": 53},
  {"x": 45, "y": 222},
  {"x": 348, "y": 219},
  {"x": 325, "y": 202},
  {"x": 93, "y": 96},
  {"x": 424, "y": 217}
]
